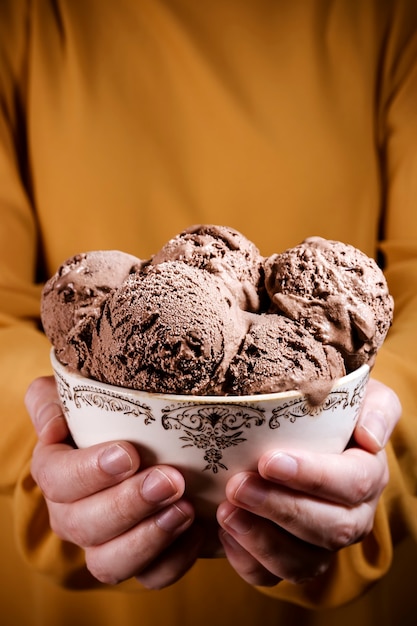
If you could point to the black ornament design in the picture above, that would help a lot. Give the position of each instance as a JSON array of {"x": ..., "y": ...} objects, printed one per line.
[
  {"x": 109, "y": 401},
  {"x": 64, "y": 391},
  {"x": 212, "y": 427},
  {"x": 299, "y": 407}
]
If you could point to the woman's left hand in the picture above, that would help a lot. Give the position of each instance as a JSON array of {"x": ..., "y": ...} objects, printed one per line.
[{"x": 288, "y": 520}]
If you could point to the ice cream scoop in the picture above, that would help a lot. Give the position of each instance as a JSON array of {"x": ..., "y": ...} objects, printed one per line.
[
  {"x": 170, "y": 328},
  {"x": 278, "y": 353},
  {"x": 221, "y": 251},
  {"x": 72, "y": 301},
  {"x": 336, "y": 292}
]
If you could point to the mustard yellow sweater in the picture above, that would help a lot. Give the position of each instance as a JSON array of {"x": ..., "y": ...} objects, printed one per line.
[{"x": 121, "y": 123}]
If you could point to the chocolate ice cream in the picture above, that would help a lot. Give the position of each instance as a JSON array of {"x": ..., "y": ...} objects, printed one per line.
[
  {"x": 337, "y": 292},
  {"x": 72, "y": 301},
  {"x": 170, "y": 328},
  {"x": 281, "y": 355},
  {"x": 207, "y": 314},
  {"x": 224, "y": 252}
]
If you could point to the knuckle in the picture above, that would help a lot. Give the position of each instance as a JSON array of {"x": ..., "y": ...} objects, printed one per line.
[
  {"x": 362, "y": 490},
  {"x": 83, "y": 474},
  {"x": 42, "y": 478},
  {"x": 318, "y": 480},
  {"x": 250, "y": 570},
  {"x": 124, "y": 503},
  {"x": 70, "y": 527},
  {"x": 266, "y": 554},
  {"x": 98, "y": 569},
  {"x": 255, "y": 573},
  {"x": 369, "y": 483},
  {"x": 343, "y": 534},
  {"x": 119, "y": 559},
  {"x": 76, "y": 530},
  {"x": 318, "y": 483},
  {"x": 287, "y": 516},
  {"x": 347, "y": 531},
  {"x": 363, "y": 486}
]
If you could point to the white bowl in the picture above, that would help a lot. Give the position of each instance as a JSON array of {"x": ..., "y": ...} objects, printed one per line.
[{"x": 208, "y": 438}]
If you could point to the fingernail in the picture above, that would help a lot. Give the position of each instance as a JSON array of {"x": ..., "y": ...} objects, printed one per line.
[
  {"x": 281, "y": 467},
  {"x": 239, "y": 522},
  {"x": 250, "y": 493},
  {"x": 375, "y": 427},
  {"x": 115, "y": 460},
  {"x": 172, "y": 518},
  {"x": 157, "y": 487}
]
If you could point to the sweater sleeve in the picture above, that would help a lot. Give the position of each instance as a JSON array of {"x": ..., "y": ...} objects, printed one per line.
[
  {"x": 22, "y": 346},
  {"x": 24, "y": 350},
  {"x": 358, "y": 567}
]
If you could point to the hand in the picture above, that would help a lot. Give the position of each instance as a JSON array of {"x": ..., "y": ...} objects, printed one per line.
[
  {"x": 288, "y": 520},
  {"x": 130, "y": 522}
]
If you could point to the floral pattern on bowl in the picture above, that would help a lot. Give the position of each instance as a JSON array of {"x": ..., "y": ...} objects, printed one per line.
[{"x": 208, "y": 437}]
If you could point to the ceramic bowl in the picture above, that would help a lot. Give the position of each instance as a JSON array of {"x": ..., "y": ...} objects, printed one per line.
[{"x": 208, "y": 438}]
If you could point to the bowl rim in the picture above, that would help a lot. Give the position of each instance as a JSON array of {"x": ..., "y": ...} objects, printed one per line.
[{"x": 65, "y": 371}]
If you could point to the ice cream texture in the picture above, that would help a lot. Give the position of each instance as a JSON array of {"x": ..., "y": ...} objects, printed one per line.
[
  {"x": 209, "y": 315},
  {"x": 336, "y": 292},
  {"x": 73, "y": 299}
]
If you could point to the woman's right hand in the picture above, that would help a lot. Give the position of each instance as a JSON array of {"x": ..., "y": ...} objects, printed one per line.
[{"x": 130, "y": 522}]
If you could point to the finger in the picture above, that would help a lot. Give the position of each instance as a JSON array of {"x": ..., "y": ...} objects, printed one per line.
[
  {"x": 65, "y": 474},
  {"x": 110, "y": 513},
  {"x": 175, "y": 561},
  {"x": 380, "y": 413},
  {"x": 247, "y": 566},
  {"x": 132, "y": 552},
  {"x": 319, "y": 522},
  {"x": 349, "y": 478},
  {"x": 278, "y": 552},
  {"x": 45, "y": 410}
]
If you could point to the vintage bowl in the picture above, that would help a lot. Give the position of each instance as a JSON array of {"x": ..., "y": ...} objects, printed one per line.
[{"x": 208, "y": 438}]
